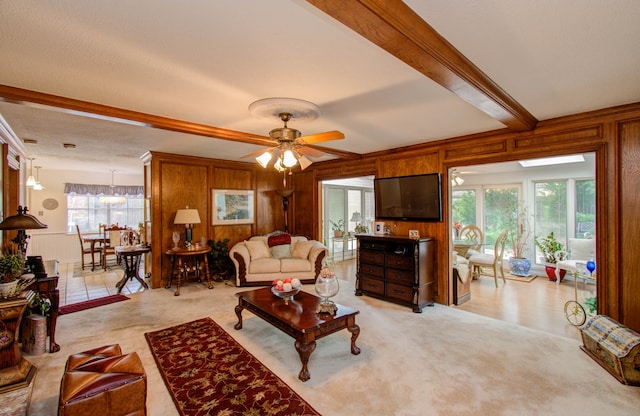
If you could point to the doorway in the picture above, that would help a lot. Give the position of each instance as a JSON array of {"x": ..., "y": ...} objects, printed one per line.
[
  {"x": 559, "y": 199},
  {"x": 346, "y": 204}
]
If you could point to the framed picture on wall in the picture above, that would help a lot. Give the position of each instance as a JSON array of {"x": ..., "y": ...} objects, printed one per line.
[{"x": 233, "y": 206}]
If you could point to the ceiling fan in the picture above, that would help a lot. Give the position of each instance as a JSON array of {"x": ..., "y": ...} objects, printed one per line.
[{"x": 289, "y": 145}]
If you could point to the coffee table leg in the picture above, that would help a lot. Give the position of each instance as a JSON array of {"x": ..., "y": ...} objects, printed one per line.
[
  {"x": 355, "y": 331},
  {"x": 239, "y": 309},
  {"x": 305, "y": 350}
]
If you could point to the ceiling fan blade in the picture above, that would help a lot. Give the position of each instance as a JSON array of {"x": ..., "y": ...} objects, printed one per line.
[
  {"x": 322, "y": 137},
  {"x": 259, "y": 152},
  {"x": 304, "y": 150}
]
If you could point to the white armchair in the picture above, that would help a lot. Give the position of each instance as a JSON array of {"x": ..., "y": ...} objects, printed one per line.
[{"x": 580, "y": 250}]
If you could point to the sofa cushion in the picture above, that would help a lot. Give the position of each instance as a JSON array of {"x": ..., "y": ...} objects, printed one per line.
[
  {"x": 257, "y": 249},
  {"x": 301, "y": 249},
  {"x": 279, "y": 239},
  {"x": 282, "y": 251},
  {"x": 265, "y": 265},
  {"x": 582, "y": 248},
  {"x": 295, "y": 265}
]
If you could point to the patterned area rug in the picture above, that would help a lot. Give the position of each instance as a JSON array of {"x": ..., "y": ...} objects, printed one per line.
[
  {"x": 92, "y": 303},
  {"x": 207, "y": 372}
]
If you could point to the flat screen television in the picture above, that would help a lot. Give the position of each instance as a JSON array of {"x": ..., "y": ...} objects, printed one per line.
[{"x": 410, "y": 198}]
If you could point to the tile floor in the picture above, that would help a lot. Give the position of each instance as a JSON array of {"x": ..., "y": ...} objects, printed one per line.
[{"x": 76, "y": 285}]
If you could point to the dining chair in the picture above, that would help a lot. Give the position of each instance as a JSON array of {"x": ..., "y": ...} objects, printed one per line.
[
  {"x": 112, "y": 241},
  {"x": 490, "y": 260},
  {"x": 472, "y": 232},
  {"x": 85, "y": 248}
]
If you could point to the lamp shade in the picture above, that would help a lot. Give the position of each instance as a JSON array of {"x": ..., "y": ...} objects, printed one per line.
[
  {"x": 21, "y": 221},
  {"x": 187, "y": 216},
  {"x": 356, "y": 217}
]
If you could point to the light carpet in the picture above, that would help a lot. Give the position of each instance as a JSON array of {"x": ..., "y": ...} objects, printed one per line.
[{"x": 443, "y": 361}]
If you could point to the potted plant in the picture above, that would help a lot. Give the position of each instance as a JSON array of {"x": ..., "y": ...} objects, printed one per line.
[
  {"x": 220, "y": 264},
  {"x": 11, "y": 267},
  {"x": 337, "y": 227},
  {"x": 519, "y": 231},
  {"x": 550, "y": 246}
]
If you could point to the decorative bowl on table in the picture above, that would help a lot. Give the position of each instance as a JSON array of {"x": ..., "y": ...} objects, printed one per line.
[{"x": 286, "y": 289}]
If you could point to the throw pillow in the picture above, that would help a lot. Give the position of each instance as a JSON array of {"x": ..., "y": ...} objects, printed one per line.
[
  {"x": 301, "y": 249},
  {"x": 276, "y": 240},
  {"x": 282, "y": 251},
  {"x": 257, "y": 249}
]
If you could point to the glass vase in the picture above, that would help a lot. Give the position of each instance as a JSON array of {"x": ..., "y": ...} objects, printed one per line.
[{"x": 326, "y": 287}]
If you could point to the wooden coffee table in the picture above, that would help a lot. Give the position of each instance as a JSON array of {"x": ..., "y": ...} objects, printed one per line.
[{"x": 299, "y": 319}]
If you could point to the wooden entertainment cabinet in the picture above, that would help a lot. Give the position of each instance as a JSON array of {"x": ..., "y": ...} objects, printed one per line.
[{"x": 397, "y": 269}]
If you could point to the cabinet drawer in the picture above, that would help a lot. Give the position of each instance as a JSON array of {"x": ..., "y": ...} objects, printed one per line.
[
  {"x": 372, "y": 285},
  {"x": 399, "y": 292},
  {"x": 400, "y": 262},
  {"x": 371, "y": 257},
  {"x": 371, "y": 245},
  {"x": 400, "y": 275},
  {"x": 375, "y": 271}
]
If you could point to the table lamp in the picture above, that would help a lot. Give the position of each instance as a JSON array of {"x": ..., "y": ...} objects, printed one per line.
[
  {"x": 188, "y": 217},
  {"x": 21, "y": 222}
]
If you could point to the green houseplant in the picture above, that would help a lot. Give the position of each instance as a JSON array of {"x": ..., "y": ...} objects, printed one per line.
[
  {"x": 337, "y": 227},
  {"x": 220, "y": 264},
  {"x": 11, "y": 267},
  {"x": 550, "y": 246}
]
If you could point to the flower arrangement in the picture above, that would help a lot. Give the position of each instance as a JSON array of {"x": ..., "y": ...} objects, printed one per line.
[
  {"x": 457, "y": 226},
  {"x": 286, "y": 285},
  {"x": 327, "y": 273}
]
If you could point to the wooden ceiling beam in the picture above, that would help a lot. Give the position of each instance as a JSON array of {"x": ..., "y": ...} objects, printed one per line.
[
  {"x": 57, "y": 103},
  {"x": 395, "y": 27}
]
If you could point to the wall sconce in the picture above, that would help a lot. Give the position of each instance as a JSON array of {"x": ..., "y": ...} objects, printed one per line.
[
  {"x": 285, "y": 194},
  {"x": 188, "y": 217}
]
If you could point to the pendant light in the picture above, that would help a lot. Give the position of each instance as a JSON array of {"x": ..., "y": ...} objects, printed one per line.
[
  {"x": 38, "y": 186},
  {"x": 112, "y": 199},
  {"x": 31, "y": 180}
]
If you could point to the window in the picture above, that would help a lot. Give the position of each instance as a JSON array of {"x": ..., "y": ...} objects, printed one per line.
[
  {"x": 585, "y": 208},
  {"x": 463, "y": 206},
  {"x": 88, "y": 213},
  {"x": 500, "y": 207},
  {"x": 550, "y": 210}
]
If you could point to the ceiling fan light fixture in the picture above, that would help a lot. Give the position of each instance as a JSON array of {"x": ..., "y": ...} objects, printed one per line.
[
  {"x": 289, "y": 159},
  {"x": 304, "y": 161},
  {"x": 278, "y": 165},
  {"x": 264, "y": 159}
]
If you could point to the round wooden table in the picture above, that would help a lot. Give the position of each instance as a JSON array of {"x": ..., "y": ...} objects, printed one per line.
[
  {"x": 131, "y": 256},
  {"x": 180, "y": 267}
]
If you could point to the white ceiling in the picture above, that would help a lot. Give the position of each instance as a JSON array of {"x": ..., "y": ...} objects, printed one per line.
[{"x": 205, "y": 61}]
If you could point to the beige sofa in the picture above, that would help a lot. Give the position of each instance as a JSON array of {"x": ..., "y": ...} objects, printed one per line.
[{"x": 262, "y": 259}]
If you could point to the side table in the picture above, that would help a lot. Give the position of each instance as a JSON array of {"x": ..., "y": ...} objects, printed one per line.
[
  {"x": 180, "y": 265},
  {"x": 131, "y": 258}
]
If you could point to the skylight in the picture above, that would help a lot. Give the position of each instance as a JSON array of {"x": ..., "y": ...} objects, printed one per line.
[{"x": 546, "y": 161}]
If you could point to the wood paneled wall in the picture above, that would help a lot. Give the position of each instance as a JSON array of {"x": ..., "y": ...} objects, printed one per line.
[
  {"x": 178, "y": 181},
  {"x": 613, "y": 134}
]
